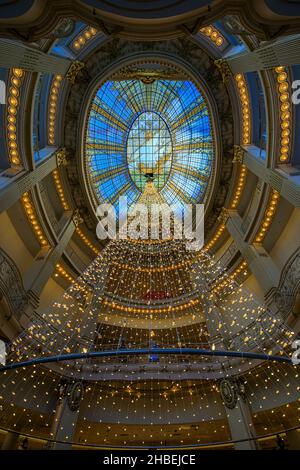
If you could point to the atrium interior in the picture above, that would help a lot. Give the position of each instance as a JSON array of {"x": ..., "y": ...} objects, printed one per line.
[{"x": 143, "y": 338}]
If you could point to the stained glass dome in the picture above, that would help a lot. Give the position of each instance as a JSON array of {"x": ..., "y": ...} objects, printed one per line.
[{"x": 162, "y": 129}]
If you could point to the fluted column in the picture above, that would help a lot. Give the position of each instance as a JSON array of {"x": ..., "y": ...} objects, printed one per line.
[
  {"x": 259, "y": 261},
  {"x": 284, "y": 51},
  {"x": 12, "y": 190}
]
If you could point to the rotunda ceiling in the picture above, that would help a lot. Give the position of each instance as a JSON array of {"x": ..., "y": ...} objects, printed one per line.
[{"x": 161, "y": 129}]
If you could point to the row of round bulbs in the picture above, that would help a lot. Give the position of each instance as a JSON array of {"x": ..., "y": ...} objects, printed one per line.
[
  {"x": 33, "y": 219},
  {"x": 60, "y": 271},
  {"x": 85, "y": 239},
  {"x": 213, "y": 34},
  {"x": 59, "y": 189},
  {"x": 12, "y": 111},
  {"x": 268, "y": 216},
  {"x": 245, "y": 102},
  {"x": 285, "y": 112},
  {"x": 55, "y": 86},
  {"x": 84, "y": 37},
  {"x": 239, "y": 188}
]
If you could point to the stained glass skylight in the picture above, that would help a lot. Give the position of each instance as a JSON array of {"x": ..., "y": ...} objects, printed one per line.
[
  {"x": 162, "y": 128},
  {"x": 149, "y": 150}
]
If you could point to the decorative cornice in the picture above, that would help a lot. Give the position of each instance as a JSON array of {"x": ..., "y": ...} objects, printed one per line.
[
  {"x": 286, "y": 292},
  {"x": 224, "y": 216},
  {"x": 76, "y": 217},
  {"x": 148, "y": 76},
  {"x": 252, "y": 16},
  {"x": 238, "y": 155},
  {"x": 224, "y": 68},
  {"x": 61, "y": 157},
  {"x": 73, "y": 71},
  {"x": 11, "y": 285}
]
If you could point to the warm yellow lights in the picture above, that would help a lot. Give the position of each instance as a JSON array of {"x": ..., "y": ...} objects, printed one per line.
[
  {"x": 213, "y": 34},
  {"x": 154, "y": 269},
  {"x": 169, "y": 309},
  {"x": 245, "y": 103},
  {"x": 33, "y": 219},
  {"x": 85, "y": 239},
  {"x": 242, "y": 268},
  {"x": 268, "y": 216},
  {"x": 239, "y": 188},
  {"x": 285, "y": 112},
  {"x": 52, "y": 112},
  {"x": 60, "y": 271},
  {"x": 84, "y": 37},
  {"x": 246, "y": 139},
  {"x": 60, "y": 190},
  {"x": 215, "y": 238},
  {"x": 12, "y": 111}
]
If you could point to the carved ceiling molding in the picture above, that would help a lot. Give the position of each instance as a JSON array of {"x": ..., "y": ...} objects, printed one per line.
[
  {"x": 102, "y": 64},
  {"x": 114, "y": 19},
  {"x": 11, "y": 285},
  {"x": 289, "y": 285}
]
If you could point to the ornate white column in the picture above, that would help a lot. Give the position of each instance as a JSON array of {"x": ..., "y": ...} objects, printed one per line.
[
  {"x": 44, "y": 264},
  {"x": 13, "y": 189},
  {"x": 284, "y": 51},
  {"x": 259, "y": 261},
  {"x": 282, "y": 179},
  {"x": 31, "y": 59}
]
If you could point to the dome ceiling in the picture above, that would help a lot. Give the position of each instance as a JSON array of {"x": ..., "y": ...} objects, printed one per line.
[
  {"x": 162, "y": 129},
  {"x": 108, "y": 100}
]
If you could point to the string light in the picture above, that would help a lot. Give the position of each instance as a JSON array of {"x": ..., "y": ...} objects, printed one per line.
[
  {"x": 61, "y": 271},
  {"x": 85, "y": 239},
  {"x": 161, "y": 404}
]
